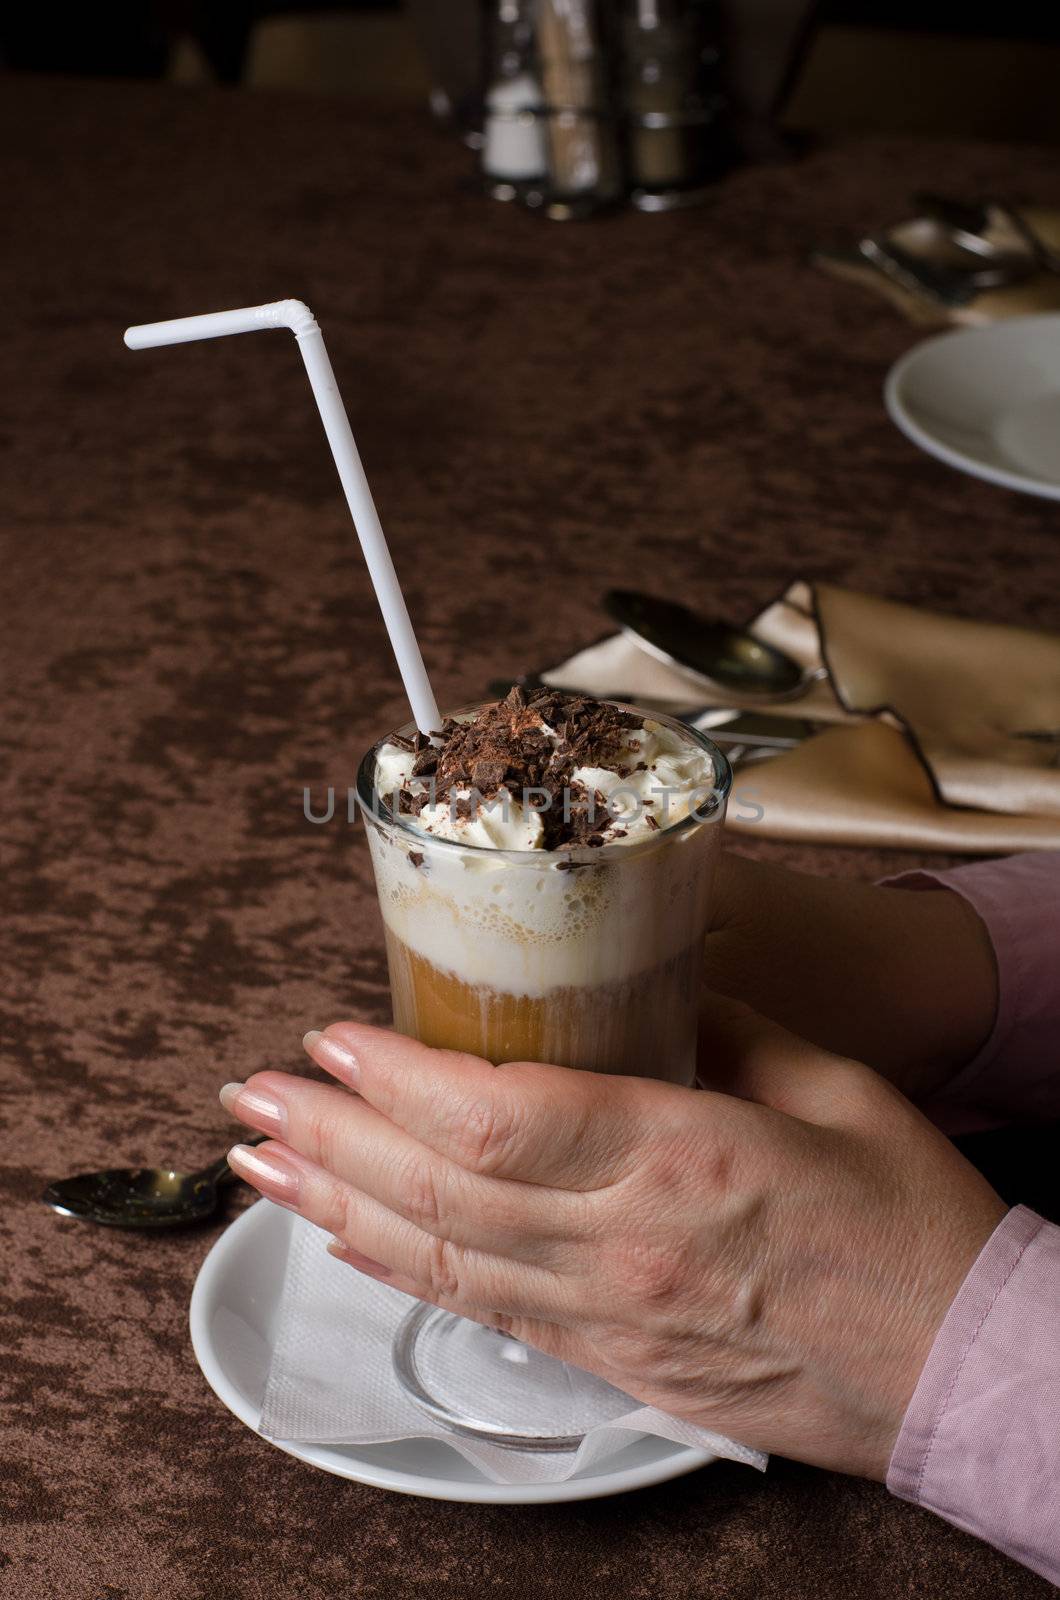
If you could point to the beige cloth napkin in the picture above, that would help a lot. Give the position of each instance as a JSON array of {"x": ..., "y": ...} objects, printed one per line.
[{"x": 929, "y": 712}]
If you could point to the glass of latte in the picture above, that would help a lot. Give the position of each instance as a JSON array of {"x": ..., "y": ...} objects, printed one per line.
[{"x": 544, "y": 867}]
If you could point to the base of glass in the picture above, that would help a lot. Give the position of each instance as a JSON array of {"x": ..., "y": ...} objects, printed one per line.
[{"x": 485, "y": 1385}]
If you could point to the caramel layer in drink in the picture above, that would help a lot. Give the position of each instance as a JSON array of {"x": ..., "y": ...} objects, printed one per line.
[{"x": 643, "y": 1026}]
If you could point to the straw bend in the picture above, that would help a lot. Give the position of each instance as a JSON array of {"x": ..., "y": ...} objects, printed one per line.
[
  {"x": 300, "y": 320},
  {"x": 293, "y": 314}
]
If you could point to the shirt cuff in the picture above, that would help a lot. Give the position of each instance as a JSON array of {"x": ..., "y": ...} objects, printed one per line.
[
  {"x": 980, "y": 1441},
  {"x": 1016, "y": 1074}
]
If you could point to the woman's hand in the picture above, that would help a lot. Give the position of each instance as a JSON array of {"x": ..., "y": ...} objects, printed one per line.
[
  {"x": 905, "y": 981},
  {"x": 772, "y": 1261}
]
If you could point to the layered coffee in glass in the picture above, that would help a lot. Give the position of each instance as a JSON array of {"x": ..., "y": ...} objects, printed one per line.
[{"x": 544, "y": 869}]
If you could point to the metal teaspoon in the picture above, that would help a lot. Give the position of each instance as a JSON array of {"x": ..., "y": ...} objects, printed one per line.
[
  {"x": 143, "y": 1197},
  {"x": 714, "y": 655}
]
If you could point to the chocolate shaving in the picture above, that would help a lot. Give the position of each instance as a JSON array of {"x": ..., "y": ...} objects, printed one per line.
[
  {"x": 426, "y": 763},
  {"x": 416, "y": 857},
  {"x": 510, "y": 746},
  {"x": 489, "y": 775}
]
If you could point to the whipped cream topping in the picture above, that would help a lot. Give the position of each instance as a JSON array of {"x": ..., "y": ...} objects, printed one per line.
[
  {"x": 670, "y": 776},
  {"x": 650, "y": 778},
  {"x": 501, "y": 823},
  {"x": 524, "y": 923}
]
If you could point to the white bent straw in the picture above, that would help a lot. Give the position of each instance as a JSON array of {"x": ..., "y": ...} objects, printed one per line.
[{"x": 298, "y": 317}]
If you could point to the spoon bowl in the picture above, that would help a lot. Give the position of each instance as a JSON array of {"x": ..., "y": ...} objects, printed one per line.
[
  {"x": 712, "y": 655},
  {"x": 142, "y": 1197}
]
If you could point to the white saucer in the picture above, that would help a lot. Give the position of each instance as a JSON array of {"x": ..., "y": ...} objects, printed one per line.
[
  {"x": 987, "y": 401},
  {"x": 233, "y": 1312}
]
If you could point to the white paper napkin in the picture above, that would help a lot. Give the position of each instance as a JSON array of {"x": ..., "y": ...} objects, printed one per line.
[{"x": 332, "y": 1380}]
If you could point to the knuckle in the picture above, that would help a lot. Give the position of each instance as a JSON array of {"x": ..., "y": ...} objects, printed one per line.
[
  {"x": 586, "y": 1119},
  {"x": 416, "y": 1193},
  {"x": 338, "y": 1210},
  {"x": 486, "y": 1136},
  {"x": 439, "y": 1270},
  {"x": 680, "y": 1159},
  {"x": 859, "y": 1097},
  {"x": 652, "y": 1273},
  {"x": 716, "y": 1166},
  {"x": 326, "y": 1137}
]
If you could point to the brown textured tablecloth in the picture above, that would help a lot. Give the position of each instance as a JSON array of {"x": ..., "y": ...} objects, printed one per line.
[{"x": 189, "y": 638}]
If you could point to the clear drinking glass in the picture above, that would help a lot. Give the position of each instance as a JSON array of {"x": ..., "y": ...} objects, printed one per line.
[{"x": 588, "y": 958}]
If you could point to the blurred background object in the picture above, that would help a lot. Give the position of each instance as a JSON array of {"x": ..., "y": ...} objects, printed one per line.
[
  {"x": 579, "y": 110},
  {"x": 674, "y": 99},
  {"x": 933, "y": 67},
  {"x": 514, "y": 137}
]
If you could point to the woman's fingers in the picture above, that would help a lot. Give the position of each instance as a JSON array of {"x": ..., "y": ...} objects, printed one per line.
[
  {"x": 555, "y": 1338},
  {"x": 745, "y": 1054},
  {"x": 395, "y": 1250},
  {"x": 356, "y": 1144},
  {"x": 538, "y": 1124}
]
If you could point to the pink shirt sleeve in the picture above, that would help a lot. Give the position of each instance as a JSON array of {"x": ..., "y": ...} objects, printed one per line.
[
  {"x": 980, "y": 1442},
  {"x": 1016, "y": 1075}
]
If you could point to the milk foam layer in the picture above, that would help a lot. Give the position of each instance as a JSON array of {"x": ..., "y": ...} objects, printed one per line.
[
  {"x": 521, "y": 923},
  {"x": 523, "y": 926}
]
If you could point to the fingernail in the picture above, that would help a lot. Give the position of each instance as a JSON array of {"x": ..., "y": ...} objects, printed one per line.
[
  {"x": 354, "y": 1258},
  {"x": 269, "y": 1173},
  {"x": 261, "y": 1110},
  {"x": 332, "y": 1055}
]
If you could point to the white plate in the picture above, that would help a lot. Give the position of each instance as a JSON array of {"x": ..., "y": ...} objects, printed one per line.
[
  {"x": 233, "y": 1313},
  {"x": 987, "y": 401}
]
